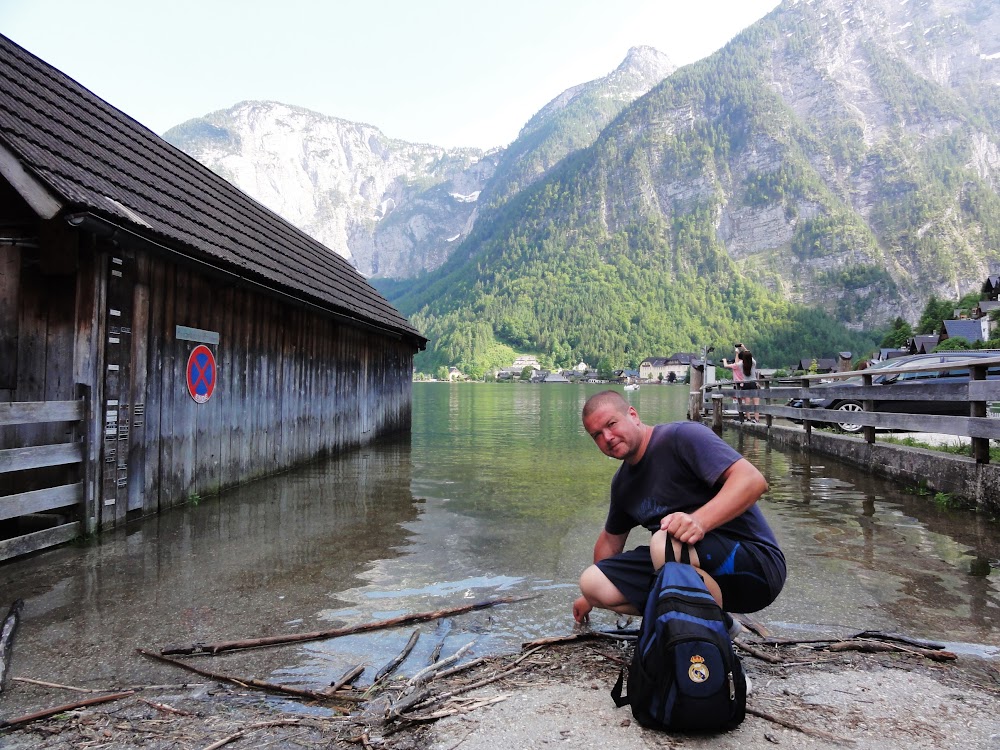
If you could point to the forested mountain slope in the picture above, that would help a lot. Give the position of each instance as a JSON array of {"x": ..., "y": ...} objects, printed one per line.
[{"x": 837, "y": 160}]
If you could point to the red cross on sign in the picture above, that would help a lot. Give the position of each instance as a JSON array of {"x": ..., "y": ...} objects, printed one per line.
[{"x": 201, "y": 374}]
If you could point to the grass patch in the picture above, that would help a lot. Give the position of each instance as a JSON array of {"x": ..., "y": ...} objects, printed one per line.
[
  {"x": 946, "y": 501},
  {"x": 954, "y": 449},
  {"x": 921, "y": 489}
]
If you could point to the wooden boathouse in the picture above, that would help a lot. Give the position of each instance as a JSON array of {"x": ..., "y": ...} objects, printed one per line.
[{"x": 162, "y": 335}]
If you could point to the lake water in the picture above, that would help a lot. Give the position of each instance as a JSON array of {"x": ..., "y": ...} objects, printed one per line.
[{"x": 497, "y": 492}]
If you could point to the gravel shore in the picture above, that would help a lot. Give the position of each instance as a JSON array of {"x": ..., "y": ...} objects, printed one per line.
[{"x": 557, "y": 697}]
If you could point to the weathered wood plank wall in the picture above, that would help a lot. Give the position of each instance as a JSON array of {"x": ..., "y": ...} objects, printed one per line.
[
  {"x": 10, "y": 287},
  {"x": 293, "y": 384}
]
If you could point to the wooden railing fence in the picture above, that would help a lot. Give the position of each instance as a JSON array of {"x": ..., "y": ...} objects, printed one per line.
[
  {"x": 976, "y": 392},
  {"x": 56, "y": 507}
]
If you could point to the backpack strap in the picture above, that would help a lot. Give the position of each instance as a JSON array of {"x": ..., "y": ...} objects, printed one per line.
[
  {"x": 668, "y": 553},
  {"x": 616, "y": 691}
]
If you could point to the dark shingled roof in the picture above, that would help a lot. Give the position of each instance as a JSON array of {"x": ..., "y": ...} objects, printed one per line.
[
  {"x": 96, "y": 160},
  {"x": 823, "y": 364},
  {"x": 970, "y": 330},
  {"x": 924, "y": 343}
]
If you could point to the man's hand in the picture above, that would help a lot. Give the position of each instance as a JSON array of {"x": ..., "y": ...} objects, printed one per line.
[
  {"x": 581, "y": 610},
  {"x": 683, "y": 527}
]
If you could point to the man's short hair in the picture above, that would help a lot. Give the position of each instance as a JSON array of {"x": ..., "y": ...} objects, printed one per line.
[{"x": 605, "y": 398}]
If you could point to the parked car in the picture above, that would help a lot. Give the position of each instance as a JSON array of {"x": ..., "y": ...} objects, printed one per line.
[{"x": 916, "y": 406}]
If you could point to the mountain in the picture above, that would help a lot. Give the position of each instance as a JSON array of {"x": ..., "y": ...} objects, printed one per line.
[
  {"x": 339, "y": 180},
  {"x": 393, "y": 208},
  {"x": 572, "y": 121},
  {"x": 836, "y": 163}
]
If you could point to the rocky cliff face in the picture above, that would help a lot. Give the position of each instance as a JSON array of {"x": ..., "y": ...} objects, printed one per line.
[
  {"x": 896, "y": 101},
  {"x": 342, "y": 181},
  {"x": 393, "y": 208},
  {"x": 845, "y": 149}
]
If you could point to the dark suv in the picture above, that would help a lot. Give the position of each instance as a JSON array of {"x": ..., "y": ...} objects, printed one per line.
[{"x": 917, "y": 406}]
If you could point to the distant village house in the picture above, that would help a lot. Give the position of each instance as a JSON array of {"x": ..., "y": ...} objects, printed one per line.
[{"x": 674, "y": 368}]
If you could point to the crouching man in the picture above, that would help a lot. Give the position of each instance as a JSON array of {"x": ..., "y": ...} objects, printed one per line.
[{"x": 687, "y": 486}]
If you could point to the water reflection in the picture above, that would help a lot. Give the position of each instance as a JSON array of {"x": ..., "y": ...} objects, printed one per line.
[
  {"x": 873, "y": 554},
  {"x": 268, "y": 557},
  {"x": 497, "y": 492}
]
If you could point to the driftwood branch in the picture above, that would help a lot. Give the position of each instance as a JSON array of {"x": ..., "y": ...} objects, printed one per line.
[
  {"x": 809, "y": 731},
  {"x": 247, "y": 682},
  {"x": 345, "y": 679},
  {"x": 436, "y": 653},
  {"x": 399, "y": 658},
  {"x": 441, "y": 697},
  {"x": 461, "y": 667},
  {"x": 867, "y": 641},
  {"x": 760, "y": 653},
  {"x": 253, "y": 728},
  {"x": 588, "y": 635},
  {"x": 7, "y": 633},
  {"x": 864, "y": 634},
  {"x": 165, "y": 708},
  {"x": 22, "y": 721},
  {"x": 797, "y": 641},
  {"x": 897, "y": 638},
  {"x": 277, "y": 640},
  {"x": 406, "y": 702},
  {"x": 411, "y": 719},
  {"x": 753, "y": 625},
  {"x": 418, "y": 697},
  {"x": 427, "y": 673},
  {"x": 43, "y": 683},
  {"x": 875, "y": 647}
]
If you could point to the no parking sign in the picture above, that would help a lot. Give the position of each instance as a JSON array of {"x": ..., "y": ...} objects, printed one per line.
[{"x": 201, "y": 374}]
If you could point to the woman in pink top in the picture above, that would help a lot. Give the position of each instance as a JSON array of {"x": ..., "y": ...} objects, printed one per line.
[{"x": 738, "y": 377}]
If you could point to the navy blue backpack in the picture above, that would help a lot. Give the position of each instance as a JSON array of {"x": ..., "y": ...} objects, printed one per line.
[{"x": 685, "y": 674}]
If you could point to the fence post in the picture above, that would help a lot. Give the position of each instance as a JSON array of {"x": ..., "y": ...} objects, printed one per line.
[
  {"x": 717, "y": 411},
  {"x": 806, "y": 424},
  {"x": 88, "y": 474},
  {"x": 868, "y": 405},
  {"x": 695, "y": 396},
  {"x": 980, "y": 446}
]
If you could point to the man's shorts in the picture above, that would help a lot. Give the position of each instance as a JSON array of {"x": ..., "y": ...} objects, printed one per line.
[{"x": 750, "y": 575}]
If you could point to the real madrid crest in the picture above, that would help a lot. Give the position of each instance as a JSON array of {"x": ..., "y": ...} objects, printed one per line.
[{"x": 698, "y": 671}]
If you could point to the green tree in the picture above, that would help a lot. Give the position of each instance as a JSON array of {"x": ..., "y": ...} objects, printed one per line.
[
  {"x": 898, "y": 336},
  {"x": 605, "y": 368},
  {"x": 935, "y": 311},
  {"x": 952, "y": 344},
  {"x": 526, "y": 372},
  {"x": 969, "y": 302},
  {"x": 442, "y": 373}
]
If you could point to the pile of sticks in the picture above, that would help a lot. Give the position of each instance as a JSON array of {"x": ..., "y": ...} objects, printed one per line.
[
  {"x": 390, "y": 704},
  {"x": 387, "y": 705},
  {"x": 775, "y": 650}
]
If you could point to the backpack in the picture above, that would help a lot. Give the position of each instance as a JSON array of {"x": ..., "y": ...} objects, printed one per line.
[{"x": 685, "y": 673}]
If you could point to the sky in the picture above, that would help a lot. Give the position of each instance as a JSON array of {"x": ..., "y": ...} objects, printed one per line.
[{"x": 443, "y": 72}]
